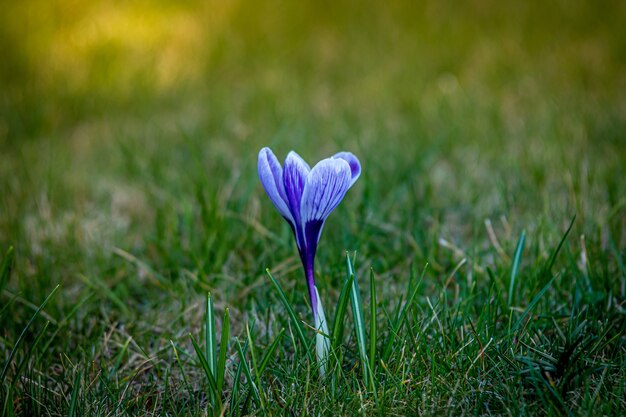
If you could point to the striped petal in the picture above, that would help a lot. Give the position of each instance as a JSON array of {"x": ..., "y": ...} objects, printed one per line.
[
  {"x": 271, "y": 176},
  {"x": 353, "y": 161},
  {"x": 325, "y": 187},
  {"x": 295, "y": 172}
]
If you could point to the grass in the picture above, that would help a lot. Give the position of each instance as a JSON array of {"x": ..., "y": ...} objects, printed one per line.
[{"x": 488, "y": 224}]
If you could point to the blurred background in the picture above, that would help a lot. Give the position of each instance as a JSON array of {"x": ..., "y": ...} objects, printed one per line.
[
  {"x": 132, "y": 127},
  {"x": 129, "y": 134}
]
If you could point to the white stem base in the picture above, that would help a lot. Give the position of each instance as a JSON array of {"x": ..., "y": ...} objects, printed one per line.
[{"x": 322, "y": 341}]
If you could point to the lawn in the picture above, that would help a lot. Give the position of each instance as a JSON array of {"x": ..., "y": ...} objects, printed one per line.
[{"x": 476, "y": 267}]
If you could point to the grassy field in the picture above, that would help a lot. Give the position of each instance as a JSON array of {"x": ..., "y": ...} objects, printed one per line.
[{"x": 490, "y": 215}]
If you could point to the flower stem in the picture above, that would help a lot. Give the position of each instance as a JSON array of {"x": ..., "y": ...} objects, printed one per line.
[
  {"x": 309, "y": 272},
  {"x": 322, "y": 344}
]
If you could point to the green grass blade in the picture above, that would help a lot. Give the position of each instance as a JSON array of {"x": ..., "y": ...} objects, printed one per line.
[
  {"x": 253, "y": 356},
  {"x": 532, "y": 304},
  {"x": 5, "y": 267},
  {"x": 74, "y": 396},
  {"x": 270, "y": 351},
  {"x": 5, "y": 370},
  {"x": 552, "y": 259},
  {"x": 337, "y": 330},
  {"x": 221, "y": 364},
  {"x": 7, "y": 409},
  {"x": 26, "y": 358},
  {"x": 517, "y": 259},
  {"x": 546, "y": 270},
  {"x": 63, "y": 323},
  {"x": 120, "y": 356},
  {"x": 340, "y": 313},
  {"x": 359, "y": 323},
  {"x": 372, "y": 354},
  {"x": 399, "y": 320},
  {"x": 291, "y": 313},
  {"x": 180, "y": 365},
  {"x": 246, "y": 370},
  {"x": 207, "y": 370},
  {"x": 234, "y": 397},
  {"x": 210, "y": 337}
]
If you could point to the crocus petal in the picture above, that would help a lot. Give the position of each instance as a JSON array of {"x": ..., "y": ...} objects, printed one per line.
[
  {"x": 325, "y": 187},
  {"x": 294, "y": 176},
  {"x": 271, "y": 176},
  {"x": 353, "y": 161}
]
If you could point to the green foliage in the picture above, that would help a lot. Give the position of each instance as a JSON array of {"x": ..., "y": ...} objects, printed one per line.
[
  {"x": 128, "y": 191},
  {"x": 359, "y": 322}
]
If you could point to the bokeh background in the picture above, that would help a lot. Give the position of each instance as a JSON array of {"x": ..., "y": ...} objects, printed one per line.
[{"x": 129, "y": 132}]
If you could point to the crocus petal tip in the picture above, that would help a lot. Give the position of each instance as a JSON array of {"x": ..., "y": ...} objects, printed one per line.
[
  {"x": 271, "y": 176},
  {"x": 353, "y": 162}
]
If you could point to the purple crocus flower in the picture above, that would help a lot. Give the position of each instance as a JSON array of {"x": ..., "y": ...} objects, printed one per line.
[{"x": 305, "y": 197}]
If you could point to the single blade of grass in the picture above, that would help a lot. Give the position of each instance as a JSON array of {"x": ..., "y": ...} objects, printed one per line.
[
  {"x": 253, "y": 357},
  {"x": 7, "y": 409},
  {"x": 210, "y": 337},
  {"x": 359, "y": 324},
  {"x": 120, "y": 356},
  {"x": 74, "y": 396},
  {"x": 207, "y": 371},
  {"x": 5, "y": 370},
  {"x": 221, "y": 364},
  {"x": 246, "y": 370},
  {"x": 180, "y": 365},
  {"x": 552, "y": 259},
  {"x": 292, "y": 315},
  {"x": 372, "y": 355},
  {"x": 340, "y": 313},
  {"x": 517, "y": 259},
  {"x": 234, "y": 397}
]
